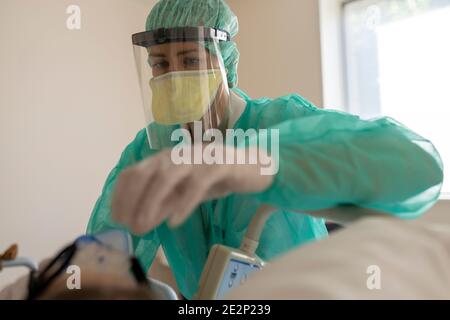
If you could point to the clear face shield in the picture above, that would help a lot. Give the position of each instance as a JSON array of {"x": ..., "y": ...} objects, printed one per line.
[{"x": 183, "y": 80}]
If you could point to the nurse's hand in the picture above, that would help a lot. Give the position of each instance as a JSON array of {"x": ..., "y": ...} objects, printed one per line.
[{"x": 157, "y": 189}]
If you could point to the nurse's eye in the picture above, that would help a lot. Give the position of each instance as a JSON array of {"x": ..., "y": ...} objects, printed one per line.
[
  {"x": 191, "y": 62},
  {"x": 160, "y": 65}
]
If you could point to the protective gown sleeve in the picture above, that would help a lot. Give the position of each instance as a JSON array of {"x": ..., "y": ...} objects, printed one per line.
[
  {"x": 144, "y": 247},
  {"x": 330, "y": 158}
]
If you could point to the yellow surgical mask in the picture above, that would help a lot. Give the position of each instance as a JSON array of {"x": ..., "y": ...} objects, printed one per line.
[{"x": 184, "y": 96}]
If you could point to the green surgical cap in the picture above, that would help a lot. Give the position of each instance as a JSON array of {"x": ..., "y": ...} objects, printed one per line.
[{"x": 195, "y": 13}]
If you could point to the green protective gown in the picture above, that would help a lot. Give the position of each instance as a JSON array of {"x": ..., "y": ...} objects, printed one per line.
[{"x": 327, "y": 158}]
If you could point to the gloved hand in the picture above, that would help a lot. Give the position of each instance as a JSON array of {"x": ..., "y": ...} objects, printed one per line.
[{"x": 157, "y": 189}]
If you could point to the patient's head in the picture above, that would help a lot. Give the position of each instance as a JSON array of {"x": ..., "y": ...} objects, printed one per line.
[{"x": 98, "y": 286}]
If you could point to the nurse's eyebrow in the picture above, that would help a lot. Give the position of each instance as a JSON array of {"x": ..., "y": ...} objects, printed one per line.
[
  {"x": 157, "y": 55},
  {"x": 181, "y": 53}
]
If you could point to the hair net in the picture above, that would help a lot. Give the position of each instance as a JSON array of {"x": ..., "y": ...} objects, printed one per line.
[{"x": 196, "y": 13}]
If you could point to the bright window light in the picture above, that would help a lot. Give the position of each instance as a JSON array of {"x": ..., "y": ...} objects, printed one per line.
[{"x": 398, "y": 65}]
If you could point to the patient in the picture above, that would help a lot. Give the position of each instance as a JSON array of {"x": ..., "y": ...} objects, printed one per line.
[
  {"x": 98, "y": 286},
  {"x": 95, "y": 286},
  {"x": 89, "y": 270}
]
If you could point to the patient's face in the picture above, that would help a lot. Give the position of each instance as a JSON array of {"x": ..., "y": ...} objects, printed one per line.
[{"x": 97, "y": 286}]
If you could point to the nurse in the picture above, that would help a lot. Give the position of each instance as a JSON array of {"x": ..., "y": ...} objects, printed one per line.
[{"x": 187, "y": 65}]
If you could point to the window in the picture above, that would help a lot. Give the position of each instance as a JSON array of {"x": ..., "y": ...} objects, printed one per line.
[{"x": 397, "y": 64}]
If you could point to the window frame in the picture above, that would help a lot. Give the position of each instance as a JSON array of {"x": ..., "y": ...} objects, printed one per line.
[{"x": 334, "y": 65}]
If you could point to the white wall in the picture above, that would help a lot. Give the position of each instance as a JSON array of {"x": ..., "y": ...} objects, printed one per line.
[
  {"x": 280, "y": 48},
  {"x": 69, "y": 103}
]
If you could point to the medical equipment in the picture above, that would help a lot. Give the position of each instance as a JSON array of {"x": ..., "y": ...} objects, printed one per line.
[
  {"x": 9, "y": 260},
  {"x": 227, "y": 268}
]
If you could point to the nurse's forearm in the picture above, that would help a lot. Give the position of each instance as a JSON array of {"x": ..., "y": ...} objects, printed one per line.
[
  {"x": 379, "y": 167},
  {"x": 345, "y": 215}
]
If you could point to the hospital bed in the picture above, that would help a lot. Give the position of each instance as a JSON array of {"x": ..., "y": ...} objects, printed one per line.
[{"x": 391, "y": 259}]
